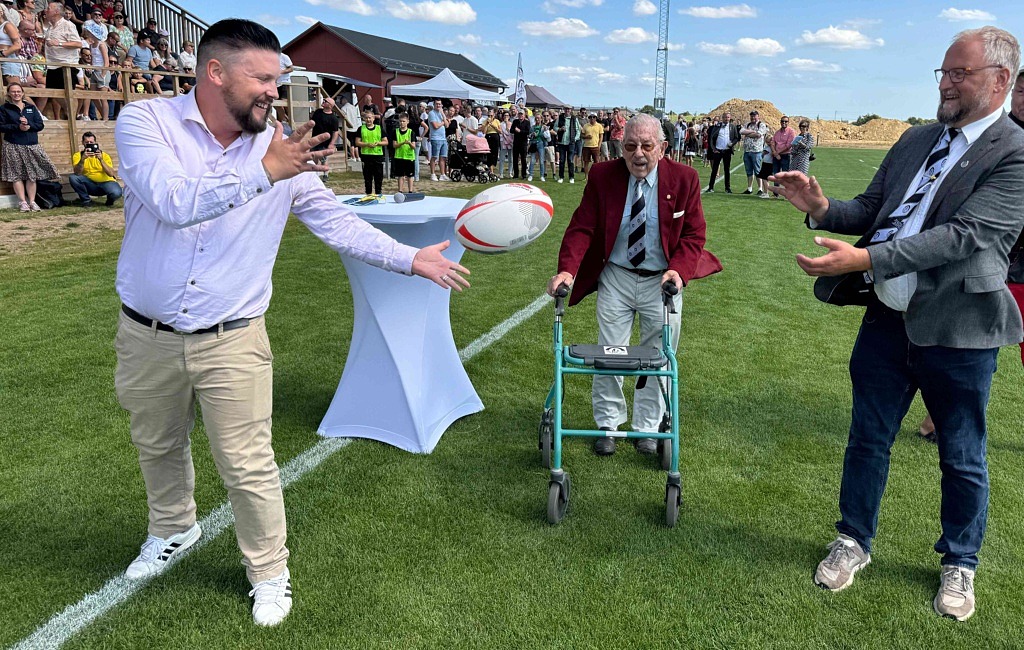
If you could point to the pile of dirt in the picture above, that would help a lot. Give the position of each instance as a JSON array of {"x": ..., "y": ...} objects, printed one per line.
[{"x": 879, "y": 132}]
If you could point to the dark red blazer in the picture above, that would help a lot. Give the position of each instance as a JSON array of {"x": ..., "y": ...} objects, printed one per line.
[{"x": 591, "y": 234}]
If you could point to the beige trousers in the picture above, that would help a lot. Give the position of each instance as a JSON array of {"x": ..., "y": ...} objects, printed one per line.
[{"x": 160, "y": 376}]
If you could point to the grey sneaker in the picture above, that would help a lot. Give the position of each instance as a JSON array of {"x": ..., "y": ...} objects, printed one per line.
[
  {"x": 956, "y": 593},
  {"x": 845, "y": 558},
  {"x": 646, "y": 446}
]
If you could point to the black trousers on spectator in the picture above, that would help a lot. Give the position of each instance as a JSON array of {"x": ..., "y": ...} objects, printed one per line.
[
  {"x": 565, "y": 153},
  {"x": 494, "y": 142},
  {"x": 373, "y": 173},
  {"x": 717, "y": 159},
  {"x": 519, "y": 158}
]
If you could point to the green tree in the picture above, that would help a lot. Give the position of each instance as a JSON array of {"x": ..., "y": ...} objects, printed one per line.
[
  {"x": 916, "y": 121},
  {"x": 864, "y": 119},
  {"x": 647, "y": 108}
]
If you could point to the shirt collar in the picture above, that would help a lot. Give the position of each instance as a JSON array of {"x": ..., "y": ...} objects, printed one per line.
[
  {"x": 974, "y": 130},
  {"x": 190, "y": 111},
  {"x": 651, "y": 180}
]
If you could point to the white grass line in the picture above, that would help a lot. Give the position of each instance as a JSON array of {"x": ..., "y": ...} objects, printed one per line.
[
  {"x": 731, "y": 172},
  {"x": 503, "y": 328},
  {"x": 75, "y": 618}
]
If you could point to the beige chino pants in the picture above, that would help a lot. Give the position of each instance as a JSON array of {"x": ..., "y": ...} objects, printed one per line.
[{"x": 160, "y": 376}]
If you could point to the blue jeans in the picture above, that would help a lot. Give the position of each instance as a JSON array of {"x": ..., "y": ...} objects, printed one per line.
[
  {"x": 752, "y": 162},
  {"x": 86, "y": 189},
  {"x": 539, "y": 157},
  {"x": 565, "y": 152},
  {"x": 887, "y": 370}
]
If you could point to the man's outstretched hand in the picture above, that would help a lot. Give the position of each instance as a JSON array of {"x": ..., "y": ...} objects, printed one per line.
[
  {"x": 289, "y": 157},
  {"x": 802, "y": 191},
  {"x": 841, "y": 258},
  {"x": 429, "y": 263}
]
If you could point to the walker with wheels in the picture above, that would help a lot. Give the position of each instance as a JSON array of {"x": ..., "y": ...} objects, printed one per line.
[{"x": 623, "y": 361}]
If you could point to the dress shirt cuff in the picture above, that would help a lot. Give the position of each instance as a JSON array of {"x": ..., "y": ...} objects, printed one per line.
[
  {"x": 811, "y": 223},
  {"x": 255, "y": 180},
  {"x": 401, "y": 261}
]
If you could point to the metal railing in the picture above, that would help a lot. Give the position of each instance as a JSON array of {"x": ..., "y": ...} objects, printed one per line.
[{"x": 180, "y": 23}]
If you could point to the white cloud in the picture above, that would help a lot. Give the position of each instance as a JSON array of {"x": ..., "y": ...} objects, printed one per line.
[
  {"x": 272, "y": 21},
  {"x": 645, "y": 61},
  {"x": 576, "y": 74},
  {"x": 352, "y": 6},
  {"x": 631, "y": 36},
  {"x": 810, "y": 65},
  {"x": 673, "y": 47},
  {"x": 553, "y": 6},
  {"x": 558, "y": 28},
  {"x": 839, "y": 38},
  {"x": 744, "y": 47},
  {"x": 470, "y": 40},
  {"x": 644, "y": 8},
  {"x": 594, "y": 57},
  {"x": 973, "y": 15},
  {"x": 306, "y": 20},
  {"x": 730, "y": 11},
  {"x": 647, "y": 79},
  {"x": 449, "y": 12},
  {"x": 680, "y": 62}
]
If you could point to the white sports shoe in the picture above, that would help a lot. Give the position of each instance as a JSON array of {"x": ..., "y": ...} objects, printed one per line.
[
  {"x": 158, "y": 554},
  {"x": 572, "y": 181},
  {"x": 433, "y": 177},
  {"x": 272, "y": 600},
  {"x": 559, "y": 180},
  {"x": 529, "y": 178},
  {"x": 444, "y": 177}
]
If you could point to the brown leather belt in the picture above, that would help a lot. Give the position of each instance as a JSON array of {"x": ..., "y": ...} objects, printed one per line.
[{"x": 238, "y": 323}]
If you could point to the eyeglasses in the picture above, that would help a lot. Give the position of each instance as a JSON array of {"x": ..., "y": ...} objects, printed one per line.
[
  {"x": 785, "y": 121},
  {"x": 648, "y": 147},
  {"x": 805, "y": 126},
  {"x": 956, "y": 75}
]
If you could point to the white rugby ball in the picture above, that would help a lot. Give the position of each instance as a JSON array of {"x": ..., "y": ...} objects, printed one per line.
[{"x": 503, "y": 218}]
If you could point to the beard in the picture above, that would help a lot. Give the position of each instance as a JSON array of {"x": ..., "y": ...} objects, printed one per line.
[
  {"x": 962, "y": 109},
  {"x": 245, "y": 113}
]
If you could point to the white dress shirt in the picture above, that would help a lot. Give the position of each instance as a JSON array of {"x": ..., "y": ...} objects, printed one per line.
[
  {"x": 203, "y": 224},
  {"x": 896, "y": 293}
]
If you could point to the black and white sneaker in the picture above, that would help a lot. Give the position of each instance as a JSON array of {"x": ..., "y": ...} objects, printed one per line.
[
  {"x": 158, "y": 554},
  {"x": 272, "y": 600}
]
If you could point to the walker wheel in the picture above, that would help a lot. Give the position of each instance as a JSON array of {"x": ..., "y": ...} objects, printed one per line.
[
  {"x": 546, "y": 437},
  {"x": 673, "y": 497},
  {"x": 558, "y": 500},
  {"x": 493, "y": 178},
  {"x": 665, "y": 453},
  {"x": 481, "y": 178},
  {"x": 455, "y": 175}
]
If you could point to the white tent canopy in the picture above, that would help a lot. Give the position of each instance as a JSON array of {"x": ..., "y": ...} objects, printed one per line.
[{"x": 447, "y": 85}]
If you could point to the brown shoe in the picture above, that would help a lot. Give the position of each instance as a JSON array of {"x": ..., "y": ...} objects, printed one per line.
[{"x": 955, "y": 598}]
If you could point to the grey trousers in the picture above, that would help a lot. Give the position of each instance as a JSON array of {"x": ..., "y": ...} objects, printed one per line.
[{"x": 621, "y": 296}]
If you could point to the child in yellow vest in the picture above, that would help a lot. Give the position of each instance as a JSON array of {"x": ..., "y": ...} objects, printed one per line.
[
  {"x": 403, "y": 164},
  {"x": 371, "y": 142}
]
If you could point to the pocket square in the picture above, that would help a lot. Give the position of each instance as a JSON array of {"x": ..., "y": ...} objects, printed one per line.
[{"x": 676, "y": 215}]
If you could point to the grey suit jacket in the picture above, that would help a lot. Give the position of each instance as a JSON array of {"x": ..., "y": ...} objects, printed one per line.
[{"x": 961, "y": 253}]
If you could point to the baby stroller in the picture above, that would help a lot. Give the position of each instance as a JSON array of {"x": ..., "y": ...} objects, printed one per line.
[{"x": 469, "y": 161}]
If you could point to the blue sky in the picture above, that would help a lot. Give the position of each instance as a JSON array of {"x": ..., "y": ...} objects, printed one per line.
[{"x": 827, "y": 59}]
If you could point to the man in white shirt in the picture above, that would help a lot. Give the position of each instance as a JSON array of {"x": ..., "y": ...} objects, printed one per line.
[
  {"x": 62, "y": 44},
  {"x": 353, "y": 121},
  {"x": 207, "y": 198}
]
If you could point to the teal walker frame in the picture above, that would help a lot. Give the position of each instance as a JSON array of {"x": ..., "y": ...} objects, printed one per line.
[{"x": 622, "y": 361}]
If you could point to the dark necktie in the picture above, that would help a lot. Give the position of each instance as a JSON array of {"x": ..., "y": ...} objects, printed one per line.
[
  {"x": 636, "y": 250},
  {"x": 932, "y": 169}
]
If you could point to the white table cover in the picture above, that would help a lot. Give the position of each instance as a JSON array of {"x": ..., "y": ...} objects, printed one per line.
[{"x": 403, "y": 381}]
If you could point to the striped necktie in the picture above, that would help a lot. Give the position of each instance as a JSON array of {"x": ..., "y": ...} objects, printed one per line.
[
  {"x": 637, "y": 245},
  {"x": 932, "y": 170}
]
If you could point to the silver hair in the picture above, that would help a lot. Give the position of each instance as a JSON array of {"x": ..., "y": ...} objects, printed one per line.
[
  {"x": 1001, "y": 48},
  {"x": 641, "y": 121}
]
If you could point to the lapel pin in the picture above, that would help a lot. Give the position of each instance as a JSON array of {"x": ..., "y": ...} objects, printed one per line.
[
  {"x": 668, "y": 197},
  {"x": 964, "y": 164}
]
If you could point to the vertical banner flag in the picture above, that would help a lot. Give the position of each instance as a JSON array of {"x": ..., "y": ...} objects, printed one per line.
[{"x": 520, "y": 98}]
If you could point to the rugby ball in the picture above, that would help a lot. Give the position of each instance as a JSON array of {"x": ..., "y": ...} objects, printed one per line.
[{"x": 503, "y": 218}]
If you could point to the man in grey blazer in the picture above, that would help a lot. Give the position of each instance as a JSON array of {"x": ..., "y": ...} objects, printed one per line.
[{"x": 937, "y": 223}]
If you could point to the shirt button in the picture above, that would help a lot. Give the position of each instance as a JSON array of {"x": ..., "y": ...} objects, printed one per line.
[
  {"x": 192, "y": 282},
  {"x": 231, "y": 205},
  {"x": 184, "y": 310},
  {"x": 201, "y": 249},
  {"x": 259, "y": 190}
]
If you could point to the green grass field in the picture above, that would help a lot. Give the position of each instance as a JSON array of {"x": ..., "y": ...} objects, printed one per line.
[{"x": 452, "y": 550}]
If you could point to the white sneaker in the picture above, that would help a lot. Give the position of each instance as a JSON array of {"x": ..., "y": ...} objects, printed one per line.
[
  {"x": 272, "y": 600},
  {"x": 559, "y": 180},
  {"x": 444, "y": 177},
  {"x": 529, "y": 178},
  {"x": 543, "y": 180},
  {"x": 158, "y": 554},
  {"x": 572, "y": 181},
  {"x": 433, "y": 177}
]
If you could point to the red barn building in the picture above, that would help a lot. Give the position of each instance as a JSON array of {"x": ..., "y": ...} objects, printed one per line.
[{"x": 380, "y": 61}]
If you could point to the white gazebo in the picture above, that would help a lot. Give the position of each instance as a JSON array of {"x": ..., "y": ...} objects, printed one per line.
[{"x": 447, "y": 85}]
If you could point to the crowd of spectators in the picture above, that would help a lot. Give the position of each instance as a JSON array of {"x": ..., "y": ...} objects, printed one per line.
[{"x": 80, "y": 33}]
